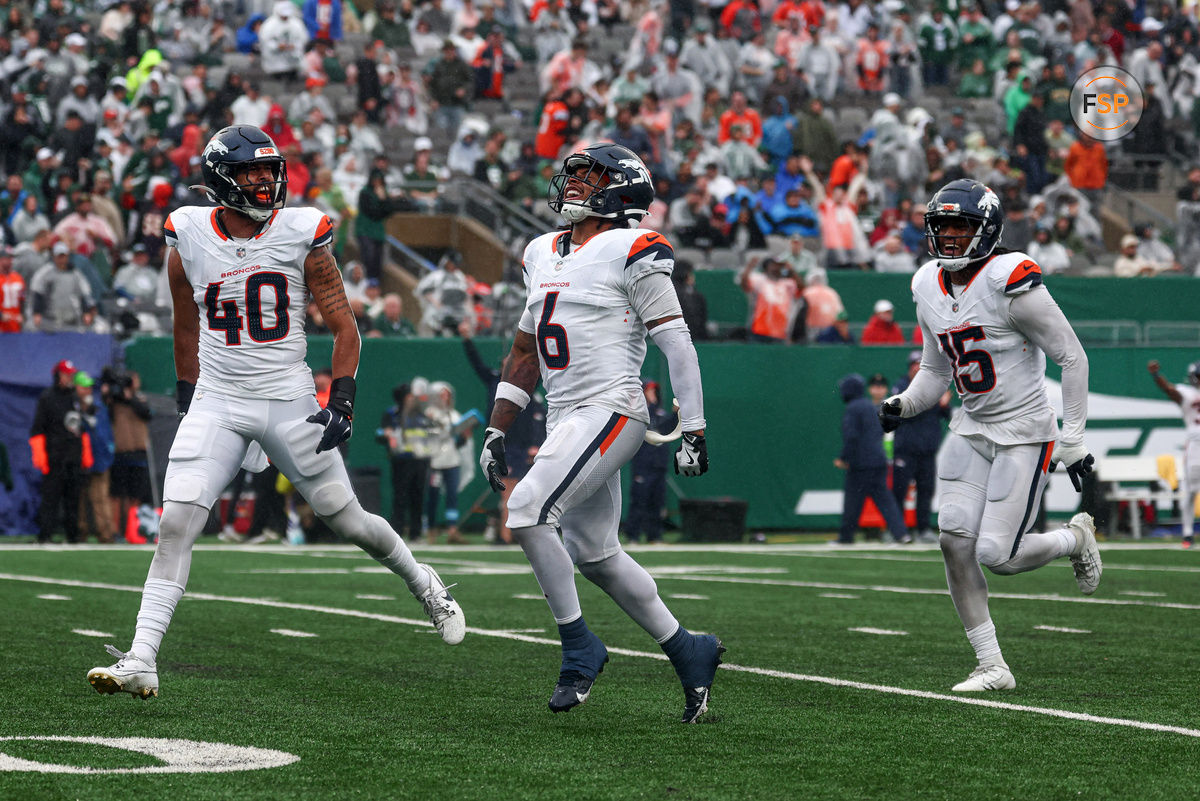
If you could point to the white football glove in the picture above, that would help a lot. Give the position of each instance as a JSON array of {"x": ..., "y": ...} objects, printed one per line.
[
  {"x": 692, "y": 457},
  {"x": 1076, "y": 459},
  {"x": 492, "y": 459}
]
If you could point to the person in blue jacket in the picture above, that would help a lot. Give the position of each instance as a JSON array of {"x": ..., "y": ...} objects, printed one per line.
[
  {"x": 865, "y": 463},
  {"x": 914, "y": 453}
]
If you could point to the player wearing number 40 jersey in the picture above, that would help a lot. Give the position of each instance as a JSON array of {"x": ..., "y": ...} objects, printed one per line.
[
  {"x": 594, "y": 293},
  {"x": 988, "y": 324},
  {"x": 240, "y": 275}
]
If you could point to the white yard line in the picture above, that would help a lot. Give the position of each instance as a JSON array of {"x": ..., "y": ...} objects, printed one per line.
[
  {"x": 92, "y": 633},
  {"x": 822, "y": 585},
  {"x": 292, "y": 633},
  {"x": 776, "y": 674},
  {"x": 883, "y": 632},
  {"x": 52, "y": 597},
  {"x": 844, "y": 595},
  {"x": 1063, "y": 629}
]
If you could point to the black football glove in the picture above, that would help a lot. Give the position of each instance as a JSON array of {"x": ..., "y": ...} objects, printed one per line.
[
  {"x": 337, "y": 416},
  {"x": 889, "y": 414},
  {"x": 1077, "y": 460},
  {"x": 692, "y": 457},
  {"x": 492, "y": 459},
  {"x": 183, "y": 396}
]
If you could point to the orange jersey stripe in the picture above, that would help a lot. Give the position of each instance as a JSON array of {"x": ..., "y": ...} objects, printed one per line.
[
  {"x": 612, "y": 435},
  {"x": 1049, "y": 455},
  {"x": 1021, "y": 271}
]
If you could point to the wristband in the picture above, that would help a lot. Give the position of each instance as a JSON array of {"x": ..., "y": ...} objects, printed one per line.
[
  {"x": 341, "y": 395},
  {"x": 513, "y": 394},
  {"x": 183, "y": 395}
]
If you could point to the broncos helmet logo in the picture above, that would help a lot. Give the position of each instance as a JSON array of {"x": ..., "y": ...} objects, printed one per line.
[
  {"x": 988, "y": 201},
  {"x": 638, "y": 167}
]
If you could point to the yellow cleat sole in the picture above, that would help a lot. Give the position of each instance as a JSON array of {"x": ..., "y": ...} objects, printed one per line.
[{"x": 107, "y": 684}]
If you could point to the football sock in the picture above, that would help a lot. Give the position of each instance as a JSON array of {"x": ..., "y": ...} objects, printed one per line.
[
  {"x": 634, "y": 590},
  {"x": 552, "y": 568},
  {"x": 180, "y": 525},
  {"x": 1037, "y": 549},
  {"x": 987, "y": 647},
  {"x": 693, "y": 656},
  {"x": 582, "y": 650},
  {"x": 964, "y": 577},
  {"x": 159, "y": 598},
  {"x": 373, "y": 534}
]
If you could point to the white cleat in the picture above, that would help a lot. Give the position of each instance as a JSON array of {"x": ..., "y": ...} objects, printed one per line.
[
  {"x": 130, "y": 675},
  {"x": 443, "y": 610},
  {"x": 987, "y": 677},
  {"x": 1086, "y": 562}
]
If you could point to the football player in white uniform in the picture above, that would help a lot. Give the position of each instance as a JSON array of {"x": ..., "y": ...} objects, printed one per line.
[
  {"x": 240, "y": 275},
  {"x": 989, "y": 324},
  {"x": 594, "y": 292},
  {"x": 1188, "y": 397}
]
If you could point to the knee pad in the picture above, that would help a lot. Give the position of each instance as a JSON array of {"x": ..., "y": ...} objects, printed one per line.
[
  {"x": 330, "y": 498},
  {"x": 953, "y": 519},
  {"x": 183, "y": 488},
  {"x": 993, "y": 554},
  {"x": 522, "y": 509},
  {"x": 351, "y": 522}
]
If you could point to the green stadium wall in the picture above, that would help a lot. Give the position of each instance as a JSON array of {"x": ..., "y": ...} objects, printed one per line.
[{"x": 773, "y": 411}]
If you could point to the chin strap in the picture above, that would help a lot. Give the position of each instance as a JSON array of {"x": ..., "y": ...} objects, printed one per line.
[{"x": 204, "y": 190}]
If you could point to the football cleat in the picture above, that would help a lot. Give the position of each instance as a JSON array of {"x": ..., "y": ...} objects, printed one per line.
[
  {"x": 129, "y": 675},
  {"x": 444, "y": 612},
  {"x": 574, "y": 682},
  {"x": 1086, "y": 563},
  {"x": 1186, "y": 542},
  {"x": 698, "y": 691},
  {"x": 987, "y": 677}
]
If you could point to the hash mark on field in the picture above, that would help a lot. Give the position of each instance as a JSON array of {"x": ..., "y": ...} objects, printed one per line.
[
  {"x": 1143, "y": 594},
  {"x": 292, "y": 633},
  {"x": 1063, "y": 629},
  {"x": 52, "y": 597},
  {"x": 757, "y": 671},
  {"x": 293, "y": 571},
  {"x": 885, "y": 632},
  {"x": 91, "y": 633},
  {"x": 683, "y": 596},
  {"x": 366, "y": 596},
  {"x": 845, "y": 595},
  {"x": 528, "y": 596}
]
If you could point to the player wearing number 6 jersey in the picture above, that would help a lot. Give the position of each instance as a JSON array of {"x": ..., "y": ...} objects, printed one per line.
[
  {"x": 240, "y": 275},
  {"x": 594, "y": 292},
  {"x": 989, "y": 324}
]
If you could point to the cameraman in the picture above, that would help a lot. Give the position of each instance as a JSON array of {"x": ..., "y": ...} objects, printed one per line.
[
  {"x": 445, "y": 297},
  {"x": 772, "y": 292},
  {"x": 130, "y": 474}
]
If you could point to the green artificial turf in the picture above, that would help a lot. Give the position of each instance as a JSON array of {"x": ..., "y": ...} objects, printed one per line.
[{"x": 377, "y": 707}]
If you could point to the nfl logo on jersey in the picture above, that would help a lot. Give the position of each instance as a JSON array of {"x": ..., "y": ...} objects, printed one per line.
[{"x": 241, "y": 253}]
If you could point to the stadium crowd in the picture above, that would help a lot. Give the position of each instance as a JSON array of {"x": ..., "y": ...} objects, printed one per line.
[{"x": 811, "y": 131}]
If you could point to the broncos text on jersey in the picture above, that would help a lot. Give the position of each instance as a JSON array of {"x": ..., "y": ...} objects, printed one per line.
[
  {"x": 998, "y": 373},
  {"x": 252, "y": 298},
  {"x": 591, "y": 341}
]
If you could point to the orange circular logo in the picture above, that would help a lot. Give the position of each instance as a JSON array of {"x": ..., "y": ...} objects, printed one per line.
[{"x": 1107, "y": 103}]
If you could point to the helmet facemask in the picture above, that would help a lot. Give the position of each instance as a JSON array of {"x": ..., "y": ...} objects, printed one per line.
[
  {"x": 569, "y": 196},
  {"x": 955, "y": 251},
  {"x": 258, "y": 201}
]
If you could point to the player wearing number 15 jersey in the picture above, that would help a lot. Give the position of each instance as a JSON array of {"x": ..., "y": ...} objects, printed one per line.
[
  {"x": 594, "y": 292},
  {"x": 240, "y": 275},
  {"x": 989, "y": 323}
]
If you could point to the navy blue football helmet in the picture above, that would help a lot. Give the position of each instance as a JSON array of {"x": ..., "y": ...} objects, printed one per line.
[
  {"x": 963, "y": 201},
  {"x": 234, "y": 149},
  {"x": 621, "y": 186}
]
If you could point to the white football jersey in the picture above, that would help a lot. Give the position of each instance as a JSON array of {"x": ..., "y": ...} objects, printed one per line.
[
  {"x": 998, "y": 373},
  {"x": 1190, "y": 406},
  {"x": 591, "y": 342},
  {"x": 252, "y": 298}
]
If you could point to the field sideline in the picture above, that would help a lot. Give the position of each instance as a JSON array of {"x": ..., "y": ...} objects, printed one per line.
[{"x": 836, "y": 684}]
